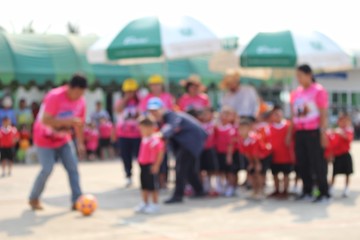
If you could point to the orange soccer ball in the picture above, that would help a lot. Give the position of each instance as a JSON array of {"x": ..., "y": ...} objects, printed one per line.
[{"x": 86, "y": 204}]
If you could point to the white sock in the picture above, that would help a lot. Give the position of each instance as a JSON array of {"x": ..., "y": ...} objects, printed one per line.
[{"x": 206, "y": 184}]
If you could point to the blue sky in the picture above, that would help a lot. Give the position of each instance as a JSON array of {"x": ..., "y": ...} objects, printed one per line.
[{"x": 337, "y": 19}]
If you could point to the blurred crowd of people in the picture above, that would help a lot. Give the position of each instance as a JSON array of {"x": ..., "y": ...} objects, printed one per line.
[{"x": 210, "y": 147}]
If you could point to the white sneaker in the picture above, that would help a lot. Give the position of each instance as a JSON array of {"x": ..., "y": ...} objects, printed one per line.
[
  {"x": 230, "y": 192},
  {"x": 128, "y": 182},
  {"x": 346, "y": 193},
  {"x": 331, "y": 191},
  {"x": 140, "y": 208},
  {"x": 152, "y": 208},
  {"x": 3, "y": 175}
]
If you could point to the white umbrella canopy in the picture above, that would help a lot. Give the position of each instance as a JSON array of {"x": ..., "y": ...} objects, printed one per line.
[{"x": 154, "y": 39}]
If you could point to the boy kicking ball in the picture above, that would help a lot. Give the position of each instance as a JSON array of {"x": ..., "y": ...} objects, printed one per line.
[{"x": 150, "y": 157}]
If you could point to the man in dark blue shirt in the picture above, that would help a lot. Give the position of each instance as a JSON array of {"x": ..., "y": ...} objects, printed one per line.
[{"x": 187, "y": 139}]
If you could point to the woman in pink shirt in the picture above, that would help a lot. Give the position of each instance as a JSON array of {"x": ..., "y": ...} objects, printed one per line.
[
  {"x": 127, "y": 128},
  {"x": 194, "y": 99},
  {"x": 156, "y": 87},
  {"x": 309, "y": 103}
]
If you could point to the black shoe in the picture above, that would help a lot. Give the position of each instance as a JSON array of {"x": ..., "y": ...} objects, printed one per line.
[
  {"x": 198, "y": 195},
  {"x": 173, "y": 200},
  {"x": 321, "y": 199}
]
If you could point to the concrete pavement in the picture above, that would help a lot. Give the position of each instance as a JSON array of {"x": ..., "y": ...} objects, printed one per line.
[{"x": 221, "y": 218}]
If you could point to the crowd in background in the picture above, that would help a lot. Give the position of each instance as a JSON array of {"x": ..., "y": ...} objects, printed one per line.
[{"x": 210, "y": 147}]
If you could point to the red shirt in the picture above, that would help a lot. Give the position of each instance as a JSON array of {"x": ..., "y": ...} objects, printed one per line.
[
  {"x": 253, "y": 147},
  {"x": 342, "y": 144},
  {"x": 281, "y": 152},
  {"x": 105, "y": 130},
  {"x": 8, "y": 137},
  {"x": 225, "y": 135},
  {"x": 264, "y": 130},
  {"x": 210, "y": 130},
  {"x": 150, "y": 148}
]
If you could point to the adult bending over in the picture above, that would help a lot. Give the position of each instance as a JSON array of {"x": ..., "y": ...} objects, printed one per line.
[{"x": 62, "y": 111}]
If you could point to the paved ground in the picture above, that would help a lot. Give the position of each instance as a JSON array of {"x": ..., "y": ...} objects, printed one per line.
[{"x": 235, "y": 218}]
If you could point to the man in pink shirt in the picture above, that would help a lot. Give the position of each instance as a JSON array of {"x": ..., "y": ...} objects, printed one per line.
[
  {"x": 194, "y": 99},
  {"x": 62, "y": 111}
]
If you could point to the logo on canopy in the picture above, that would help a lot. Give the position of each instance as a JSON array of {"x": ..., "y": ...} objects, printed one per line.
[
  {"x": 317, "y": 45},
  {"x": 132, "y": 40},
  {"x": 268, "y": 50},
  {"x": 186, "y": 31}
]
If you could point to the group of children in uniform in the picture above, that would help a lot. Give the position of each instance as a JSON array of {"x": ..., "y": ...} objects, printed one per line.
[{"x": 236, "y": 144}]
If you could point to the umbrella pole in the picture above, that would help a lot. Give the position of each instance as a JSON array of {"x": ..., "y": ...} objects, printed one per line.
[{"x": 166, "y": 76}]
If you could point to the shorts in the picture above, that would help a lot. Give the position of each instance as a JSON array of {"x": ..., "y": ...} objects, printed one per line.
[
  {"x": 7, "y": 153},
  {"x": 286, "y": 169},
  {"x": 104, "y": 142},
  {"x": 297, "y": 169},
  {"x": 149, "y": 181},
  {"x": 343, "y": 164},
  {"x": 208, "y": 160},
  {"x": 265, "y": 165},
  {"x": 244, "y": 162},
  {"x": 233, "y": 168}
]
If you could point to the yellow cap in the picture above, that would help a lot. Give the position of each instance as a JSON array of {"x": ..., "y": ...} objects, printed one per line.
[
  {"x": 130, "y": 84},
  {"x": 156, "y": 79}
]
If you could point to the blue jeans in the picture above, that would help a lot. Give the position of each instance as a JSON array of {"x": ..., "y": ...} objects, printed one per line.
[
  {"x": 47, "y": 158},
  {"x": 129, "y": 149}
]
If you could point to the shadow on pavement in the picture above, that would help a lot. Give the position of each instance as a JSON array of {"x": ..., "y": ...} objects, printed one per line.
[{"x": 22, "y": 225}]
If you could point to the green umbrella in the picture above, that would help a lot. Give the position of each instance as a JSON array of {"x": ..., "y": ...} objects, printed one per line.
[
  {"x": 152, "y": 39},
  {"x": 288, "y": 49}
]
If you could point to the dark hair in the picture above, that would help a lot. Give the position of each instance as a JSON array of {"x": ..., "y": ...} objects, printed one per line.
[
  {"x": 98, "y": 102},
  {"x": 188, "y": 85},
  {"x": 78, "y": 81},
  {"x": 246, "y": 121},
  {"x": 305, "y": 68},
  {"x": 6, "y": 118},
  {"x": 147, "y": 121}
]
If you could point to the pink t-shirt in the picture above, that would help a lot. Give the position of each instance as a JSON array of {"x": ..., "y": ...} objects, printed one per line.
[
  {"x": 105, "y": 130},
  {"x": 225, "y": 135},
  {"x": 92, "y": 139},
  {"x": 165, "y": 97},
  {"x": 305, "y": 106},
  {"x": 187, "y": 102},
  {"x": 150, "y": 148},
  {"x": 210, "y": 130},
  {"x": 57, "y": 104},
  {"x": 127, "y": 125}
]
